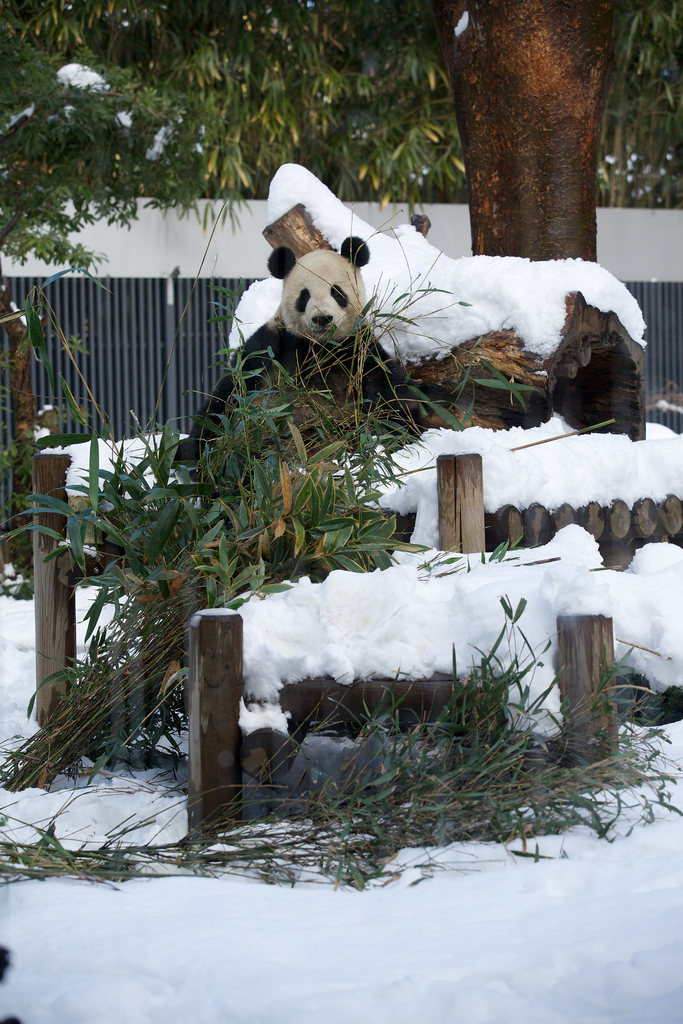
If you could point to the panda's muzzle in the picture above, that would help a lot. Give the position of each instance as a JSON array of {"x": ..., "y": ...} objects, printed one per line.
[{"x": 322, "y": 321}]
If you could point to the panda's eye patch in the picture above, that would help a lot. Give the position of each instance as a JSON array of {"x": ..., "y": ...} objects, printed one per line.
[
  {"x": 338, "y": 296},
  {"x": 302, "y": 301}
]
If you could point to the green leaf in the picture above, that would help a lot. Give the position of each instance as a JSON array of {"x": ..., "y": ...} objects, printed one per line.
[
  {"x": 71, "y": 401},
  {"x": 163, "y": 529},
  {"x": 62, "y": 440},
  {"x": 74, "y": 531}
]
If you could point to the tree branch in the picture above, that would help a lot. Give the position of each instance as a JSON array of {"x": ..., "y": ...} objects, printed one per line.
[
  {"x": 17, "y": 126},
  {"x": 10, "y": 225}
]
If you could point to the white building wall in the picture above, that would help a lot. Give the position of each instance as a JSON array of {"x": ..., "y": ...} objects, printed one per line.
[{"x": 635, "y": 245}]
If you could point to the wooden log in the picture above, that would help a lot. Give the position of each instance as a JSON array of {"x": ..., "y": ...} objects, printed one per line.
[
  {"x": 268, "y": 755},
  {"x": 585, "y": 652},
  {"x": 595, "y": 373},
  {"x": 323, "y": 700},
  {"x": 671, "y": 515},
  {"x": 618, "y": 521},
  {"x": 616, "y": 547},
  {"x": 421, "y": 223},
  {"x": 54, "y": 601},
  {"x": 460, "y": 494},
  {"x": 503, "y": 525},
  {"x": 565, "y": 515},
  {"x": 296, "y": 230},
  {"x": 215, "y": 689},
  {"x": 592, "y": 519},
  {"x": 537, "y": 525},
  {"x": 645, "y": 518}
]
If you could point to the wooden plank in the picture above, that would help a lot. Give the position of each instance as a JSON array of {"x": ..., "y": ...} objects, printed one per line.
[
  {"x": 214, "y": 689},
  {"x": 585, "y": 651},
  {"x": 55, "y": 601},
  {"x": 445, "y": 494},
  {"x": 469, "y": 503},
  {"x": 325, "y": 700},
  {"x": 460, "y": 494}
]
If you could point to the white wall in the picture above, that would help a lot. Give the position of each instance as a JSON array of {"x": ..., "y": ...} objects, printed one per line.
[{"x": 635, "y": 245}]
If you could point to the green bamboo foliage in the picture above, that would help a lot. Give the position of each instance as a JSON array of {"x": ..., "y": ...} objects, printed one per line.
[
  {"x": 641, "y": 158},
  {"x": 367, "y": 109}
]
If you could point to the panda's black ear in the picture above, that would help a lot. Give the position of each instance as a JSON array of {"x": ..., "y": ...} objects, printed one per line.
[
  {"x": 281, "y": 261},
  {"x": 355, "y": 251}
]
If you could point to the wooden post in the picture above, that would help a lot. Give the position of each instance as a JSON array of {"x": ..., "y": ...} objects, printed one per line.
[
  {"x": 215, "y": 689},
  {"x": 55, "y": 601},
  {"x": 460, "y": 493},
  {"x": 585, "y": 651}
]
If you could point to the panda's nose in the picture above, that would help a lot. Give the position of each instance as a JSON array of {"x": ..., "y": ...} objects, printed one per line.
[{"x": 322, "y": 319}]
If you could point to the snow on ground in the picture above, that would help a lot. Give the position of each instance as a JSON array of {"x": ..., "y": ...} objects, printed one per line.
[
  {"x": 502, "y": 293},
  {"x": 593, "y": 933}
]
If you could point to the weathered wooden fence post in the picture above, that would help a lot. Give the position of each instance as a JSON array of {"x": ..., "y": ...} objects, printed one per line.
[
  {"x": 460, "y": 493},
  {"x": 55, "y": 601},
  {"x": 585, "y": 651},
  {"x": 215, "y": 689}
]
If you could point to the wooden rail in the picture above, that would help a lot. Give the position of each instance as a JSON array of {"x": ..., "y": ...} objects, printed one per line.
[{"x": 218, "y": 752}]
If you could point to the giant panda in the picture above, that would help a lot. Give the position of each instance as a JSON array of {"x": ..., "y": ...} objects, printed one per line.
[{"x": 317, "y": 334}]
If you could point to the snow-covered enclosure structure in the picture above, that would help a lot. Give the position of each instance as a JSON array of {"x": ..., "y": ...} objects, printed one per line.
[{"x": 565, "y": 330}]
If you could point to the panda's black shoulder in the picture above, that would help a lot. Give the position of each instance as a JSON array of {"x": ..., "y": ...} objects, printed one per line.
[
  {"x": 274, "y": 342},
  {"x": 257, "y": 348}
]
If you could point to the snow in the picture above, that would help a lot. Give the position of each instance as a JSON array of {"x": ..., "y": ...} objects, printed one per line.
[
  {"x": 160, "y": 139},
  {"x": 592, "y": 931},
  {"x": 79, "y": 76},
  {"x": 25, "y": 113},
  {"x": 463, "y": 22},
  {"x": 415, "y": 281}
]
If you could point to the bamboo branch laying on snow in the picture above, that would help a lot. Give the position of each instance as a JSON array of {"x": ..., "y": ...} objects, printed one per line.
[
  {"x": 559, "y": 437},
  {"x": 629, "y": 643}
]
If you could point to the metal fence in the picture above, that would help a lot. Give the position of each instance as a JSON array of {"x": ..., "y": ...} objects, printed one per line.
[{"x": 145, "y": 362}]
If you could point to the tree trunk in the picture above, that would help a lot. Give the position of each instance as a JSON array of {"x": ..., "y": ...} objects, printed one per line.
[
  {"x": 530, "y": 80},
  {"x": 24, "y": 417}
]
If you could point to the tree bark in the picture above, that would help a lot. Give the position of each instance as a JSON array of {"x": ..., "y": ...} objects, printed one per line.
[
  {"x": 24, "y": 417},
  {"x": 530, "y": 80}
]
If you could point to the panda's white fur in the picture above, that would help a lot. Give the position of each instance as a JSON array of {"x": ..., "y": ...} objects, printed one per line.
[{"x": 323, "y": 293}]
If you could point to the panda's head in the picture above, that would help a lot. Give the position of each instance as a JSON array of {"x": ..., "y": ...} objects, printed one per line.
[{"x": 323, "y": 292}]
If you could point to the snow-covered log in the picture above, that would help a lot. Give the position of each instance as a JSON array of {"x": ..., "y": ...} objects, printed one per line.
[{"x": 594, "y": 374}]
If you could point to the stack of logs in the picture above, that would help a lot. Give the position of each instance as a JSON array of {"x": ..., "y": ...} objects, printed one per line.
[{"x": 618, "y": 529}]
